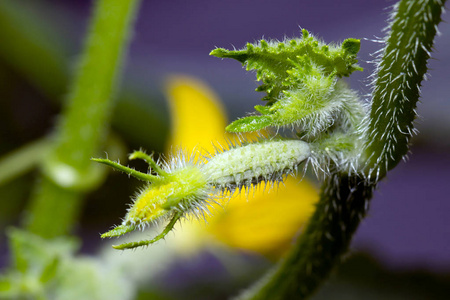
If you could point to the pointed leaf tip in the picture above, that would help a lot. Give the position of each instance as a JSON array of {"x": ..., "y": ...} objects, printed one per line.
[
  {"x": 239, "y": 55},
  {"x": 219, "y": 52},
  {"x": 351, "y": 46},
  {"x": 118, "y": 231},
  {"x": 305, "y": 33}
]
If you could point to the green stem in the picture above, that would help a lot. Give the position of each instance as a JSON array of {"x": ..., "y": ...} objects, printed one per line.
[
  {"x": 85, "y": 120},
  {"x": 53, "y": 209},
  {"x": 68, "y": 171},
  {"x": 343, "y": 203},
  {"x": 398, "y": 80}
]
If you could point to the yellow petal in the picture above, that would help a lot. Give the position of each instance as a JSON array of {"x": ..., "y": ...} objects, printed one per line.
[{"x": 198, "y": 117}]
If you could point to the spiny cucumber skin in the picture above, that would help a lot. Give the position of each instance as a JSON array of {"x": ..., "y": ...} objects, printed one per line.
[
  {"x": 249, "y": 164},
  {"x": 188, "y": 187}
]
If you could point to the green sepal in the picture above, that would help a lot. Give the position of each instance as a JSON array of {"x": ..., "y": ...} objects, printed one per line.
[
  {"x": 127, "y": 170},
  {"x": 160, "y": 236},
  {"x": 251, "y": 123},
  {"x": 118, "y": 231}
]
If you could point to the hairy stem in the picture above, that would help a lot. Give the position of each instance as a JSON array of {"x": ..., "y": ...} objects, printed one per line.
[
  {"x": 68, "y": 170},
  {"x": 398, "y": 79}
]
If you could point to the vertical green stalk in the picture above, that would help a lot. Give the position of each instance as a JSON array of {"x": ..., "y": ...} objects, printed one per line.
[
  {"x": 397, "y": 84},
  {"x": 68, "y": 171},
  {"x": 345, "y": 199}
]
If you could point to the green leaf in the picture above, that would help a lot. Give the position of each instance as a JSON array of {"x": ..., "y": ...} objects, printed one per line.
[
  {"x": 251, "y": 123},
  {"x": 50, "y": 270},
  {"x": 272, "y": 59},
  {"x": 304, "y": 66},
  {"x": 5, "y": 284},
  {"x": 31, "y": 251}
]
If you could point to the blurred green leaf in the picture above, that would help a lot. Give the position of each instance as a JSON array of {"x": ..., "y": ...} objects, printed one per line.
[
  {"x": 33, "y": 253},
  {"x": 48, "y": 269}
]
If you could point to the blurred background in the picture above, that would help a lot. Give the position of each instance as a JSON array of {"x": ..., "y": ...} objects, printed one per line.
[{"x": 401, "y": 250}]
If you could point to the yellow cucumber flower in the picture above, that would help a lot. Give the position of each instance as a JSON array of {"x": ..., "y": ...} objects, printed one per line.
[{"x": 259, "y": 221}]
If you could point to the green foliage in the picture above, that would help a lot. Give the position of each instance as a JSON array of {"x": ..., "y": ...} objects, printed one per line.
[
  {"x": 36, "y": 263},
  {"x": 299, "y": 78},
  {"x": 44, "y": 266},
  {"x": 48, "y": 269}
]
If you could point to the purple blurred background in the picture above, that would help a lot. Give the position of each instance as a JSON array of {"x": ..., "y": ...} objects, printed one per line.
[{"x": 408, "y": 224}]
